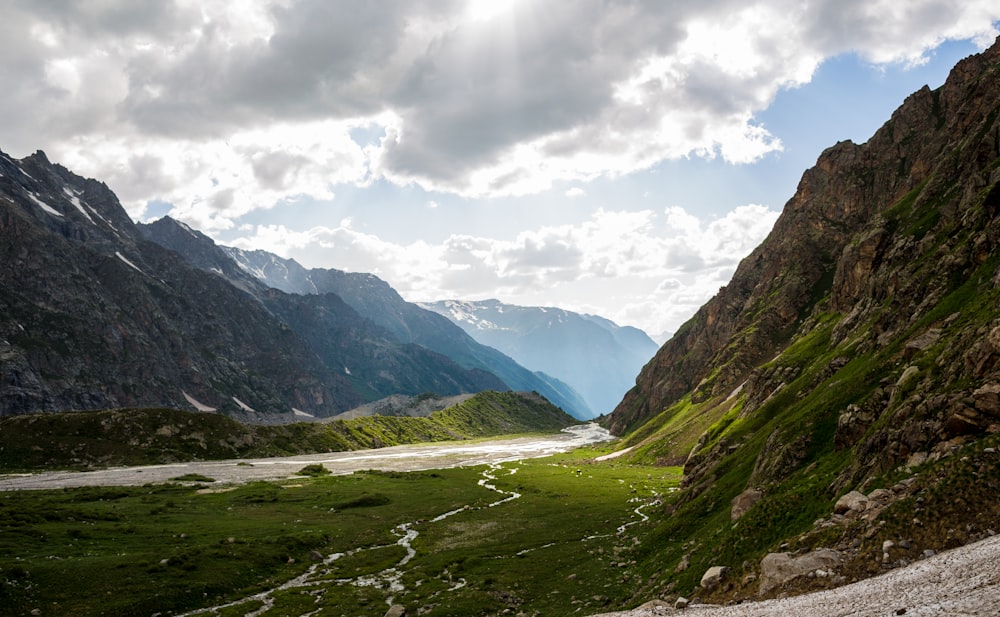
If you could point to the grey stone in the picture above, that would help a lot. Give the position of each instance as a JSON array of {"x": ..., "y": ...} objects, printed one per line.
[
  {"x": 776, "y": 569},
  {"x": 713, "y": 577},
  {"x": 396, "y": 610},
  {"x": 851, "y": 502},
  {"x": 744, "y": 501}
]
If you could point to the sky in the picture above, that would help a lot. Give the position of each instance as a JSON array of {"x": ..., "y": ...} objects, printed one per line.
[{"x": 608, "y": 157}]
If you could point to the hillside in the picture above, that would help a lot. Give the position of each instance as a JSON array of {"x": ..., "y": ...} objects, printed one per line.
[
  {"x": 855, "y": 351},
  {"x": 595, "y": 356},
  {"x": 157, "y": 436},
  {"x": 95, "y": 316},
  {"x": 374, "y": 299}
]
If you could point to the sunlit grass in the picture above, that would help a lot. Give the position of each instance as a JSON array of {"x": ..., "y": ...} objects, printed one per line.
[{"x": 173, "y": 548}]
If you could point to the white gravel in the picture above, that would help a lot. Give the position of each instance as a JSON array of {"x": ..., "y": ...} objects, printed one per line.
[
  {"x": 397, "y": 458},
  {"x": 961, "y": 582}
]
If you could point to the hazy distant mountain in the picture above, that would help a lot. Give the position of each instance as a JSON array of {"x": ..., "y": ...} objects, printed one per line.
[
  {"x": 418, "y": 329},
  {"x": 597, "y": 357}
]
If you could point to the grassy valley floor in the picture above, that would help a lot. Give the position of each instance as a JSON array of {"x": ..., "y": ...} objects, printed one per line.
[{"x": 543, "y": 536}]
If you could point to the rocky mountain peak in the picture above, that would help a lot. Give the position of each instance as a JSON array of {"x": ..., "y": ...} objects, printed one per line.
[{"x": 938, "y": 149}]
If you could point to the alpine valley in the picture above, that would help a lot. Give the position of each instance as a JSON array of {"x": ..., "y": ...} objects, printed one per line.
[{"x": 833, "y": 413}]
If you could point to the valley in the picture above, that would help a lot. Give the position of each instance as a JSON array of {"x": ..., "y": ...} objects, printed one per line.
[
  {"x": 193, "y": 429},
  {"x": 413, "y": 457},
  {"x": 538, "y": 535}
]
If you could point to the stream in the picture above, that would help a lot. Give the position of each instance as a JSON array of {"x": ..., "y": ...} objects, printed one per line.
[
  {"x": 493, "y": 454},
  {"x": 390, "y": 579}
]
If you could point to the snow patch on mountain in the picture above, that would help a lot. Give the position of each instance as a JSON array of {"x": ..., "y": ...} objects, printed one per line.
[
  {"x": 44, "y": 206},
  {"x": 74, "y": 199}
]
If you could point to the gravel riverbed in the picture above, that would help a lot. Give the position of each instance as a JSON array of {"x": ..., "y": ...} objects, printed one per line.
[{"x": 416, "y": 457}]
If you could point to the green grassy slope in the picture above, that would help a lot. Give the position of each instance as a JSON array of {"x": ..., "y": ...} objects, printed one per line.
[{"x": 149, "y": 436}]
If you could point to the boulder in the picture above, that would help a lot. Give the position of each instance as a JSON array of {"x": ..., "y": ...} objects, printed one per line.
[
  {"x": 744, "y": 501},
  {"x": 987, "y": 399},
  {"x": 776, "y": 569},
  {"x": 853, "y": 501},
  {"x": 713, "y": 577},
  {"x": 396, "y": 610}
]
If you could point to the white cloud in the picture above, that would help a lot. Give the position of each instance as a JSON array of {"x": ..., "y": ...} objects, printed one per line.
[
  {"x": 247, "y": 103},
  {"x": 648, "y": 269}
]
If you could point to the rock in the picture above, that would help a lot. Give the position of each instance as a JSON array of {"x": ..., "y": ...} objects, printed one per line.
[
  {"x": 396, "y": 610},
  {"x": 744, "y": 501},
  {"x": 713, "y": 577},
  {"x": 916, "y": 459},
  {"x": 315, "y": 555},
  {"x": 907, "y": 377},
  {"x": 851, "y": 502},
  {"x": 682, "y": 565},
  {"x": 681, "y": 603},
  {"x": 776, "y": 569},
  {"x": 922, "y": 342},
  {"x": 987, "y": 399}
]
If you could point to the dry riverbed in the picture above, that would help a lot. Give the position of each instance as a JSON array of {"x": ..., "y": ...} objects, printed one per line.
[{"x": 397, "y": 458}]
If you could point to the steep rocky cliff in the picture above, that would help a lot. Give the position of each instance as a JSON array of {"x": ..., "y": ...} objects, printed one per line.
[
  {"x": 857, "y": 345},
  {"x": 874, "y": 237}
]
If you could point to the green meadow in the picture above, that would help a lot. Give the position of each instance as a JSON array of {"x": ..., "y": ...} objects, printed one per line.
[{"x": 334, "y": 545}]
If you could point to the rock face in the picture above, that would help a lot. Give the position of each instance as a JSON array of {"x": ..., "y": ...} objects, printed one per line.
[
  {"x": 878, "y": 234},
  {"x": 856, "y": 349}
]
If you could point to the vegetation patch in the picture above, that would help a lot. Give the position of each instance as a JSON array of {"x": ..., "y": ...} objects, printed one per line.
[
  {"x": 192, "y": 477},
  {"x": 315, "y": 469},
  {"x": 568, "y": 541},
  {"x": 86, "y": 440}
]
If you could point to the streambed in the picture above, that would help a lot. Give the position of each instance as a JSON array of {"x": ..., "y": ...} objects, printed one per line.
[{"x": 415, "y": 457}]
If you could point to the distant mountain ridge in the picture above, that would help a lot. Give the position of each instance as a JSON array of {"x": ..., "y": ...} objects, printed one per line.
[
  {"x": 93, "y": 315},
  {"x": 371, "y": 299},
  {"x": 595, "y": 356}
]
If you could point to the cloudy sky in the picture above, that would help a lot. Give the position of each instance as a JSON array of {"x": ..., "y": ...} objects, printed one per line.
[{"x": 607, "y": 156}]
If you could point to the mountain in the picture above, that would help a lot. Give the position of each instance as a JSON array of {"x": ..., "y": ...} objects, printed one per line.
[
  {"x": 93, "y": 315},
  {"x": 378, "y": 302},
  {"x": 595, "y": 356},
  {"x": 854, "y": 358}
]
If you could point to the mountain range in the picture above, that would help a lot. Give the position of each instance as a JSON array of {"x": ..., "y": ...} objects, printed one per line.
[
  {"x": 854, "y": 355},
  {"x": 98, "y": 312},
  {"x": 595, "y": 356},
  {"x": 368, "y": 296}
]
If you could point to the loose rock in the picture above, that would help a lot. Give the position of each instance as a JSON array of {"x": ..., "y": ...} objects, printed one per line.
[
  {"x": 776, "y": 569},
  {"x": 713, "y": 577}
]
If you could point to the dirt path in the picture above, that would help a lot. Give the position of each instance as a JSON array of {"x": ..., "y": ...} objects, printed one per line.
[
  {"x": 961, "y": 582},
  {"x": 398, "y": 458}
]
